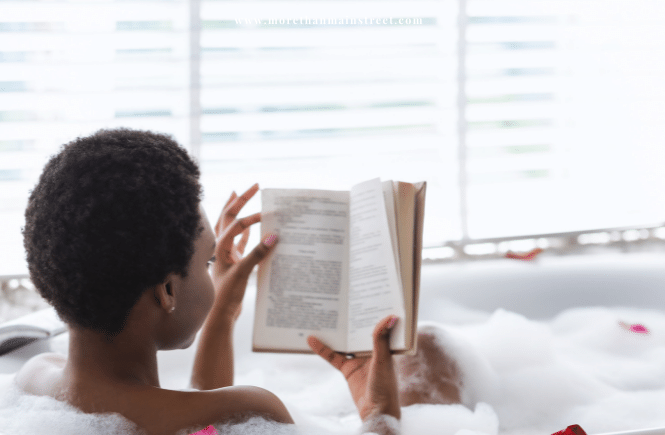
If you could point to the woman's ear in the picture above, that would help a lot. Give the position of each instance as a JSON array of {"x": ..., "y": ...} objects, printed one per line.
[{"x": 164, "y": 295}]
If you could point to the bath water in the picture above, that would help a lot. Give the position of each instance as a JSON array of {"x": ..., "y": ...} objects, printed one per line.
[{"x": 601, "y": 368}]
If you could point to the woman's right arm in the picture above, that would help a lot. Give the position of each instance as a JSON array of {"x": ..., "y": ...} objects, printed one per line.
[{"x": 372, "y": 381}]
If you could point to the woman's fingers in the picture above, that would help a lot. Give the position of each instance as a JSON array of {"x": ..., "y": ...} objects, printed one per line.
[
  {"x": 257, "y": 254},
  {"x": 242, "y": 244},
  {"x": 231, "y": 211},
  {"x": 221, "y": 215},
  {"x": 225, "y": 240},
  {"x": 231, "y": 198},
  {"x": 381, "y": 336},
  {"x": 238, "y": 203},
  {"x": 334, "y": 358},
  {"x": 226, "y": 254},
  {"x": 381, "y": 346}
]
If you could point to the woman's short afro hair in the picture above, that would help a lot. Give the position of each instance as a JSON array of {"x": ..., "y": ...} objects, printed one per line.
[{"x": 112, "y": 215}]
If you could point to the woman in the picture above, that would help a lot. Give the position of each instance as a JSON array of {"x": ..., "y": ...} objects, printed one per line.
[{"x": 118, "y": 243}]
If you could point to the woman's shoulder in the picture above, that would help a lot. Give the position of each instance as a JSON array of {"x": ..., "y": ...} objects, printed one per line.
[
  {"x": 156, "y": 410},
  {"x": 43, "y": 361},
  {"x": 195, "y": 408},
  {"x": 36, "y": 376},
  {"x": 229, "y": 403}
]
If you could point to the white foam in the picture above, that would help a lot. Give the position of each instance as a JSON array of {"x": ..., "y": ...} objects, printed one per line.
[
  {"x": 521, "y": 377},
  {"x": 23, "y": 414}
]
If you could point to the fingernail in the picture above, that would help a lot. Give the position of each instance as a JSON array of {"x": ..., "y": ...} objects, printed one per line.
[
  {"x": 270, "y": 240},
  {"x": 392, "y": 322}
]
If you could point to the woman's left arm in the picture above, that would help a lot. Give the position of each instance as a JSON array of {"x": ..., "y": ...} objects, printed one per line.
[{"x": 213, "y": 364}]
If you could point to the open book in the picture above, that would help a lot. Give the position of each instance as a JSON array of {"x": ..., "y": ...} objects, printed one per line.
[
  {"x": 343, "y": 261},
  {"x": 40, "y": 324}
]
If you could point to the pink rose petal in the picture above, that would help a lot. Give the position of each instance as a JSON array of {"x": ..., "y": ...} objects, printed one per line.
[
  {"x": 636, "y": 327},
  {"x": 210, "y": 430}
]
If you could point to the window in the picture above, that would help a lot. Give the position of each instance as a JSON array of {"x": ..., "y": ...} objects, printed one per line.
[
  {"x": 524, "y": 116},
  {"x": 562, "y": 106}
]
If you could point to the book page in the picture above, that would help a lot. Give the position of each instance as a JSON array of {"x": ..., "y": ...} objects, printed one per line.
[
  {"x": 374, "y": 291},
  {"x": 419, "y": 220},
  {"x": 405, "y": 204},
  {"x": 391, "y": 214},
  {"x": 301, "y": 288}
]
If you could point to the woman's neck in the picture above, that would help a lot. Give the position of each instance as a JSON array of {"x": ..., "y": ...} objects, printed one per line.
[{"x": 128, "y": 358}]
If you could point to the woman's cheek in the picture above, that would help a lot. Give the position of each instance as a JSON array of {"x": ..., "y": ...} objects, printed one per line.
[{"x": 209, "y": 292}]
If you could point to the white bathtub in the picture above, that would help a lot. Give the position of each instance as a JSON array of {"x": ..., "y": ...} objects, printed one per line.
[{"x": 538, "y": 290}]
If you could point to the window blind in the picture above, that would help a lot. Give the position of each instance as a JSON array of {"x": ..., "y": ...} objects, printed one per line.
[
  {"x": 562, "y": 105},
  {"x": 524, "y": 116},
  {"x": 316, "y": 94}
]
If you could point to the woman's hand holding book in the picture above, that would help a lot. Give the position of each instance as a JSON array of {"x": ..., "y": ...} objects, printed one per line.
[{"x": 372, "y": 380}]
